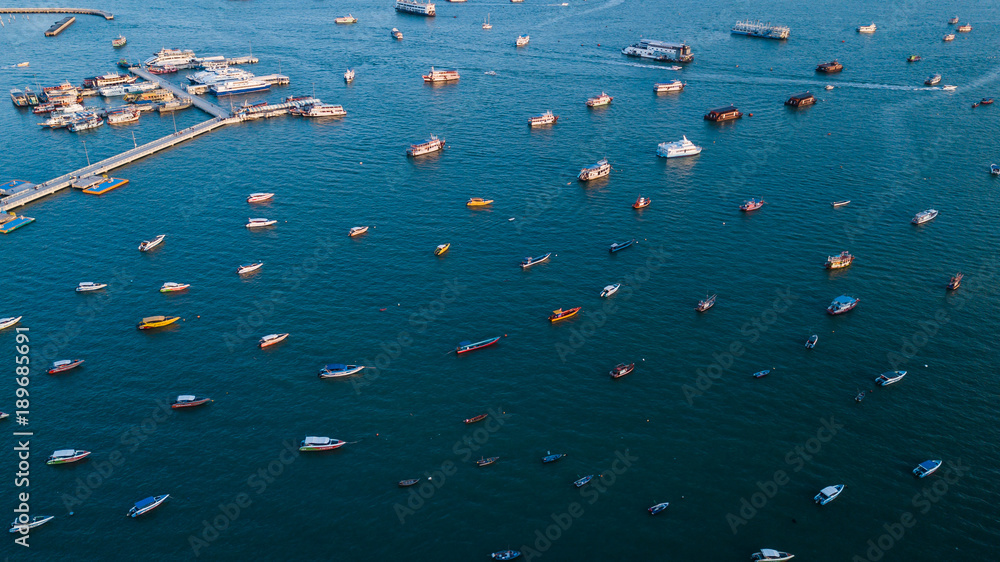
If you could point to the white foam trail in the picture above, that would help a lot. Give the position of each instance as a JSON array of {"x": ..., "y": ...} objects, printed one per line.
[{"x": 602, "y": 7}]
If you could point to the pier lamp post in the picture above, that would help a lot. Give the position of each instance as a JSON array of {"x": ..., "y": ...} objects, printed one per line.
[
  {"x": 86, "y": 153},
  {"x": 173, "y": 114}
]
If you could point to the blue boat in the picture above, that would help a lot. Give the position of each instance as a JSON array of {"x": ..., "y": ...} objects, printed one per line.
[
  {"x": 148, "y": 504},
  {"x": 553, "y": 458},
  {"x": 927, "y": 468},
  {"x": 467, "y": 346},
  {"x": 618, "y": 246},
  {"x": 530, "y": 261},
  {"x": 506, "y": 555},
  {"x": 658, "y": 508},
  {"x": 583, "y": 481},
  {"x": 760, "y": 374}
]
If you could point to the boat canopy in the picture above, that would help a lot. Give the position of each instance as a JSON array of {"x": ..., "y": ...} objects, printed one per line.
[
  {"x": 770, "y": 552},
  {"x": 843, "y": 299},
  {"x": 144, "y": 503},
  {"x": 464, "y": 343},
  {"x": 726, "y": 109},
  {"x": 311, "y": 440},
  {"x": 186, "y": 398},
  {"x": 926, "y": 465},
  {"x": 829, "y": 491},
  {"x": 335, "y": 367},
  {"x": 154, "y": 318},
  {"x": 72, "y": 452},
  {"x": 801, "y": 96},
  {"x": 62, "y": 362}
]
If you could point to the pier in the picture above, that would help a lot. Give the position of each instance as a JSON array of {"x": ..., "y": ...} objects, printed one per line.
[
  {"x": 60, "y": 26},
  {"x": 200, "y": 103},
  {"x": 105, "y": 15}
]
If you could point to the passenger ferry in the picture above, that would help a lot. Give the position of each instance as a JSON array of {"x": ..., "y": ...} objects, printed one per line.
[
  {"x": 544, "y": 119},
  {"x": 760, "y": 29},
  {"x": 801, "y": 100},
  {"x": 829, "y": 67},
  {"x": 172, "y": 57},
  {"x": 84, "y": 123},
  {"x": 965, "y": 28},
  {"x": 678, "y": 149},
  {"x": 723, "y": 114},
  {"x": 121, "y": 90},
  {"x": 349, "y": 76},
  {"x": 122, "y": 117},
  {"x": 152, "y": 96},
  {"x": 845, "y": 259},
  {"x": 598, "y": 170},
  {"x": 603, "y": 99},
  {"x": 659, "y": 50},
  {"x": 237, "y": 87},
  {"x": 415, "y": 7},
  {"x": 867, "y": 28},
  {"x": 321, "y": 110},
  {"x": 522, "y": 40},
  {"x": 113, "y": 79},
  {"x": 432, "y": 144},
  {"x": 441, "y": 75},
  {"x": 675, "y": 86}
]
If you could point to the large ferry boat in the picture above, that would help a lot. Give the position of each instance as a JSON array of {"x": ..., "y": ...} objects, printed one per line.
[
  {"x": 205, "y": 76},
  {"x": 113, "y": 79},
  {"x": 674, "y": 86},
  {"x": 677, "y": 149},
  {"x": 544, "y": 119},
  {"x": 597, "y": 101},
  {"x": 239, "y": 87},
  {"x": 415, "y": 7},
  {"x": 122, "y": 89},
  {"x": 761, "y": 29},
  {"x": 659, "y": 50},
  {"x": 321, "y": 110},
  {"x": 598, "y": 170},
  {"x": 441, "y": 75},
  {"x": 845, "y": 259},
  {"x": 172, "y": 57},
  {"x": 432, "y": 144}
]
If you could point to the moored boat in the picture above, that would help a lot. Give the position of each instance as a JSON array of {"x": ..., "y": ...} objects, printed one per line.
[
  {"x": 610, "y": 290},
  {"x": 148, "y": 245},
  {"x": 66, "y": 456},
  {"x": 706, "y": 304},
  {"x": 260, "y": 223},
  {"x": 357, "y": 231},
  {"x": 867, "y": 28},
  {"x": 811, "y": 342},
  {"x": 151, "y": 322},
  {"x": 641, "y": 202},
  {"x": 433, "y": 144},
  {"x": 467, "y": 346},
  {"x": 119, "y": 41},
  {"x": 599, "y": 170},
  {"x": 828, "y": 494},
  {"x": 727, "y": 113},
  {"x": 678, "y": 149},
  {"x": 762, "y": 374},
  {"x": 956, "y": 281},
  {"x": 147, "y": 505},
  {"x": 487, "y": 461},
  {"x": 245, "y": 268},
  {"x": 844, "y": 259},
  {"x": 171, "y": 287},
  {"x": 475, "y": 419},
  {"x": 672, "y": 86},
  {"x": 552, "y": 457},
  {"x": 189, "y": 401},
  {"x": 829, "y": 67},
  {"x": 522, "y": 40},
  {"x": 619, "y": 246},
  {"x": 19, "y": 526},
  {"x": 259, "y": 197},
  {"x": 965, "y": 28},
  {"x": 621, "y": 370},
  {"x": 436, "y": 76},
  {"x": 530, "y": 261},
  {"x": 271, "y": 339},
  {"x": 752, "y": 205},
  {"x": 560, "y": 314},
  {"x": 345, "y": 19},
  {"x": 927, "y": 468},
  {"x": 64, "y": 365},
  {"x": 597, "y": 101},
  {"x": 313, "y": 443},
  {"x": 889, "y": 377},
  {"x": 924, "y": 216},
  {"x": 546, "y": 118},
  {"x": 396, "y": 34},
  {"x": 842, "y": 304},
  {"x": 994, "y": 169},
  {"x": 841, "y": 203},
  {"x": 88, "y": 286},
  {"x": 771, "y": 555},
  {"x": 408, "y": 482},
  {"x": 9, "y": 321},
  {"x": 913, "y": 58},
  {"x": 953, "y": 20},
  {"x": 583, "y": 481},
  {"x": 441, "y": 249},
  {"x": 339, "y": 370},
  {"x": 505, "y": 554},
  {"x": 349, "y": 76},
  {"x": 478, "y": 202},
  {"x": 658, "y": 508},
  {"x": 949, "y": 37},
  {"x": 860, "y": 396},
  {"x": 986, "y": 101}
]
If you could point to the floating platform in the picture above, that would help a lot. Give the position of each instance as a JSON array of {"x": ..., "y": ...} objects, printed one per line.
[
  {"x": 14, "y": 186},
  {"x": 98, "y": 185},
  {"x": 10, "y": 223},
  {"x": 60, "y": 26}
]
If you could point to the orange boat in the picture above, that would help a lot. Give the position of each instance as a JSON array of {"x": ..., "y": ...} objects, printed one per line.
[
  {"x": 479, "y": 202},
  {"x": 560, "y": 314},
  {"x": 641, "y": 202}
]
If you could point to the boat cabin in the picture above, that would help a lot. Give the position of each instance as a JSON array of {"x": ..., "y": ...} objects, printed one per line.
[
  {"x": 723, "y": 114},
  {"x": 801, "y": 100}
]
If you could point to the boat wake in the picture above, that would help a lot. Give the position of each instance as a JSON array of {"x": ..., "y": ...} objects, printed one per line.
[
  {"x": 602, "y": 7},
  {"x": 817, "y": 85}
]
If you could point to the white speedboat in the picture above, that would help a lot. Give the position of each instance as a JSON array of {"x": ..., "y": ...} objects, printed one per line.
[
  {"x": 87, "y": 286},
  {"x": 260, "y": 223},
  {"x": 8, "y": 322},
  {"x": 771, "y": 555},
  {"x": 678, "y": 149},
  {"x": 146, "y": 505},
  {"x": 522, "y": 40},
  {"x": 22, "y": 527},
  {"x": 828, "y": 494},
  {"x": 610, "y": 290},
  {"x": 349, "y": 76},
  {"x": 890, "y": 377},
  {"x": 271, "y": 339},
  {"x": 867, "y": 28},
  {"x": 171, "y": 287},
  {"x": 927, "y": 468},
  {"x": 949, "y": 88},
  {"x": 337, "y": 370},
  {"x": 148, "y": 245},
  {"x": 313, "y": 443},
  {"x": 249, "y": 267},
  {"x": 828, "y": 87},
  {"x": 259, "y": 197},
  {"x": 924, "y": 216}
]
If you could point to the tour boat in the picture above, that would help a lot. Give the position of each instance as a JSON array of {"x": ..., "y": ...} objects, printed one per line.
[
  {"x": 752, "y": 205},
  {"x": 678, "y": 149},
  {"x": 487, "y": 461},
  {"x": 10, "y": 321},
  {"x": 889, "y": 377},
  {"x": 771, "y": 555},
  {"x": 339, "y": 370},
  {"x": 522, "y": 40},
  {"x": 486, "y": 23},
  {"x": 123, "y": 117},
  {"x": 829, "y": 67},
  {"x": 467, "y": 346},
  {"x": 65, "y": 365},
  {"x": 530, "y": 261},
  {"x": 953, "y": 20},
  {"x": 867, "y": 28},
  {"x": 171, "y": 287},
  {"x": 995, "y": 169},
  {"x": 84, "y": 123},
  {"x": 658, "y": 508},
  {"x": 811, "y": 342},
  {"x": 641, "y": 202},
  {"x": 345, "y": 19},
  {"x": 475, "y": 419},
  {"x": 313, "y": 443},
  {"x": 599, "y": 170},
  {"x": 66, "y": 456},
  {"x": 706, "y": 304},
  {"x": 544, "y": 119},
  {"x": 841, "y": 203},
  {"x": 550, "y": 457},
  {"x": 913, "y": 58},
  {"x": 949, "y": 37},
  {"x": 621, "y": 370},
  {"x": 349, "y": 76},
  {"x": 189, "y": 401},
  {"x": 271, "y": 339},
  {"x": 828, "y": 494},
  {"x": 396, "y": 34},
  {"x": 36, "y": 521},
  {"x": 844, "y": 259},
  {"x": 924, "y": 216},
  {"x": 762, "y": 374},
  {"x": 672, "y": 86},
  {"x": 441, "y": 76},
  {"x": 986, "y": 101},
  {"x": 260, "y": 223},
  {"x": 150, "y": 322},
  {"x": 148, "y": 245},
  {"x": 148, "y": 504},
  {"x": 933, "y": 80},
  {"x": 119, "y": 41},
  {"x": 479, "y": 202},
  {"x": 441, "y": 249},
  {"x": 560, "y": 314},
  {"x": 433, "y": 144},
  {"x": 619, "y": 246},
  {"x": 259, "y": 197},
  {"x": 249, "y": 267},
  {"x": 416, "y": 7},
  {"x": 87, "y": 286},
  {"x": 610, "y": 290},
  {"x": 956, "y": 281},
  {"x": 965, "y": 28},
  {"x": 357, "y": 231},
  {"x": 506, "y": 554},
  {"x": 603, "y": 99},
  {"x": 927, "y": 468},
  {"x": 408, "y": 482},
  {"x": 842, "y": 304},
  {"x": 44, "y": 108},
  {"x": 583, "y": 481}
]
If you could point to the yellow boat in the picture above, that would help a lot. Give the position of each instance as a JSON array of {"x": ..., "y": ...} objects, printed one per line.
[
  {"x": 479, "y": 202},
  {"x": 560, "y": 314},
  {"x": 442, "y": 249},
  {"x": 157, "y": 321}
]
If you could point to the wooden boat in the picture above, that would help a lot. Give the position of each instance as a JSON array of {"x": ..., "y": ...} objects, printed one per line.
[
  {"x": 552, "y": 457},
  {"x": 271, "y": 339},
  {"x": 844, "y": 259},
  {"x": 811, "y": 342},
  {"x": 246, "y": 268},
  {"x": 259, "y": 197},
  {"x": 147, "y": 505},
  {"x": 119, "y": 41},
  {"x": 148, "y": 245},
  {"x": 157, "y": 321},
  {"x": 36, "y": 521},
  {"x": 621, "y": 370},
  {"x": 829, "y": 67},
  {"x": 610, "y": 290},
  {"x": 641, "y": 202},
  {"x": 8, "y": 322},
  {"x": 949, "y": 37},
  {"x": 530, "y": 261},
  {"x": 619, "y": 246},
  {"x": 506, "y": 554},
  {"x": 658, "y": 508},
  {"x": 479, "y": 202},
  {"x": 87, "y": 286},
  {"x": 357, "y": 231},
  {"x": 313, "y": 443},
  {"x": 467, "y": 346},
  {"x": 583, "y": 481},
  {"x": 66, "y": 456},
  {"x": 346, "y": 19},
  {"x": 475, "y": 419},
  {"x": 913, "y": 58},
  {"x": 189, "y": 401},
  {"x": 408, "y": 482},
  {"x": 706, "y": 304},
  {"x": 260, "y": 223},
  {"x": 761, "y": 374},
  {"x": 487, "y": 461},
  {"x": 339, "y": 370},
  {"x": 828, "y": 494},
  {"x": 842, "y": 304},
  {"x": 771, "y": 555},
  {"x": 171, "y": 287},
  {"x": 889, "y": 377},
  {"x": 727, "y": 113},
  {"x": 841, "y": 203},
  {"x": 65, "y": 365},
  {"x": 441, "y": 249},
  {"x": 752, "y": 205},
  {"x": 927, "y": 468},
  {"x": 560, "y": 314},
  {"x": 986, "y": 101},
  {"x": 956, "y": 281}
]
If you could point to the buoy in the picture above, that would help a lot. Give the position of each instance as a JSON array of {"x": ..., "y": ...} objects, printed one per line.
[{"x": 751, "y": 115}]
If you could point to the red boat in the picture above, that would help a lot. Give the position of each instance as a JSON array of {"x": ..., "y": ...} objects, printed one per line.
[
  {"x": 752, "y": 205},
  {"x": 561, "y": 314},
  {"x": 189, "y": 401},
  {"x": 621, "y": 370},
  {"x": 480, "y": 417},
  {"x": 641, "y": 202},
  {"x": 44, "y": 108},
  {"x": 65, "y": 365},
  {"x": 467, "y": 346}
]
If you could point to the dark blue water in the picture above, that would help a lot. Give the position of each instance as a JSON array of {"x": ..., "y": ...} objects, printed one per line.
[{"x": 738, "y": 459}]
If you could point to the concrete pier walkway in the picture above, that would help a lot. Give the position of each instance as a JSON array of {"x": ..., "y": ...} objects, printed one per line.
[
  {"x": 200, "y": 103},
  {"x": 105, "y": 15}
]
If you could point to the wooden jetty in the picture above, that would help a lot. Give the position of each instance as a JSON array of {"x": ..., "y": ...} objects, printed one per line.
[{"x": 105, "y": 15}]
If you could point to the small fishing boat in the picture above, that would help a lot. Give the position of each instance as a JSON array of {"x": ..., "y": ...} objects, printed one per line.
[
  {"x": 146, "y": 505},
  {"x": 828, "y": 494},
  {"x": 119, "y": 41},
  {"x": 408, "y": 482},
  {"x": 479, "y": 202},
  {"x": 530, "y": 261},
  {"x": 522, "y": 40},
  {"x": 771, "y": 555},
  {"x": 621, "y": 370},
  {"x": 345, "y": 19},
  {"x": 811, "y": 342},
  {"x": 889, "y": 377},
  {"x": 87, "y": 286},
  {"x": 189, "y": 401},
  {"x": 467, "y": 346},
  {"x": 339, "y": 370},
  {"x": 842, "y": 304},
  {"x": 828, "y": 87},
  {"x": 148, "y": 245},
  {"x": 583, "y": 481},
  {"x": 260, "y": 223},
  {"x": 349, "y": 76},
  {"x": 761, "y": 374},
  {"x": 619, "y": 246},
  {"x": 953, "y": 20},
  {"x": 658, "y": 508},
  {"x": 487, "y": 461},
  {"x": 956, "y": 281},
  {"x": 610, "y": 290},
  {"x": 4, "y": 415},
  {"x": 150, "y": 322},
  {"x": 841, "y": 203},
  {"x": 927, "y": 468},
  {"x": 396, "y": 34},
  {"x": 441, "y": 249},
  {"x": 641, "y": 202},
  {"x": 913, "y": 58},
  {"x": 752, "y": 205},
  {"x": 552, "y": 457},
  {"x": 64, "y": 365},
  {"x": 66, "y": 456},
  {"x": 245, "y": 268},
  {"x": 560, "y": 314},
  {"x": 933, "y": 80},
  {"x": 357, "y": 231},
  {"x": 10, "y": 321},
  {"x": 949, "y": 88},
  {"x": 506, "y": 554},
  {"x": 313, "y": 443},
  {"x": 844, "y": 259},
  {"x": 860, "y": 396},
  {"x": 597, "y": 101},
  {"x": 949, "y": 37},
  {"x": 924, "y": 216},
  {"x": 475, "y": 419},
  {"x": 171, "y": 287},
  {"x": 965, "y": 28},
  {"x": 36, "y": 521},
  {"x": 271, "y": 339},
  {"x": 706, "y": 304},
  {"x": 259, "y": 197},
  {"x": 995, "y": 169}
]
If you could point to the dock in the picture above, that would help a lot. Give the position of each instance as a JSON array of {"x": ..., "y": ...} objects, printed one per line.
[
  {"x": 105, "y": 15},
  {"x": 60, "y": 26},
  {"x": 247, "y": 113},
  {"x": 201, "y": 103}
]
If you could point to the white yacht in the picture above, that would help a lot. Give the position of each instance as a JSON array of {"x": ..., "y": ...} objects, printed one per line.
[
  {"x": 924, "y": 216},
  {"x": 87, "y": 286},
  {"x": 115, "y": 91},
  {"x": 260, "y": 223},
  {"x": 659, "y": 50},
  {"x": 486, "y": 23},
  {"x": 677, "y": 149},
  {"x": 867, "y": 28}
]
